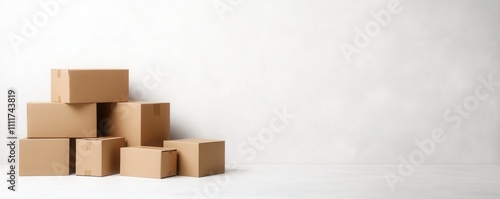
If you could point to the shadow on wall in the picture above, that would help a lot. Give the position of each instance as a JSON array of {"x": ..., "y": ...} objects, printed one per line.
[{"x": 177, "y": 132}]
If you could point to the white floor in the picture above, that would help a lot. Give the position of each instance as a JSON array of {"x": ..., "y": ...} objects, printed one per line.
[{"x": 277, "y": 181}]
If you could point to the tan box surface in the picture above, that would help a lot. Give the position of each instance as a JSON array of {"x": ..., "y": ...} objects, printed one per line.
[
  {"x": 141, "y": 123},
  {"x": 86, "y": 86},
  {"x": 45, "y": 157},
  {"x": 148, "y": 162},
  {"x": 198, "y": 157},
  {"x": 60, "y": 120},
  {"x": 98, "y": 156}
]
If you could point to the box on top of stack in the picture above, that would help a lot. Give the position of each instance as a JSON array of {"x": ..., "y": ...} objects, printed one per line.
[
  {"x": 66, "y": 134},
  {"x": 89, "y": 86}
]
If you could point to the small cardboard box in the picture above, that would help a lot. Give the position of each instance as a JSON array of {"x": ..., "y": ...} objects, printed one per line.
[
  {"x": 98, "y": 156},
  {"x": 85, "y": 86},
  {"x": 141, "y": 123},
  {"x": 59, "y": 120},
  {"x": 46, "y": 157},
  {"x": 199, "y": 157},
  {"x": 148, "y": 162}
]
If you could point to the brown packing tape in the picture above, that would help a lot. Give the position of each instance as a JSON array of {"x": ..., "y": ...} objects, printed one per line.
[
  {"x": 88, "y": 172},
  {"x": 88, "y": 146},
  {"x": 58, "y": 73},
  {"x": 59, "y": 98},
  {"x": 156, "y": 109}
]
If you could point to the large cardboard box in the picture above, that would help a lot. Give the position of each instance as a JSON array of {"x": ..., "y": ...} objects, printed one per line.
[
  {"x": 199, "y": 157},
  {"x": 141, "y": 123},
  {"x": 98, "y": 156},
  {"x": 46, "y": 157},
  {"x": 85, "y": 86},
  {"x": 60, "y": 120},
  {"x": 148, "y": 162}
]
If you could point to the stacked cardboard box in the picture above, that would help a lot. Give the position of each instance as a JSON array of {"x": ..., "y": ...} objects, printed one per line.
[
  {"x": 57, "y": 129},
  {"x": 98, "y": 156},
  {"x": 90, "y": 127},
  {"x": 198, "y": 157},
  {"x": 149, "y": 162}
]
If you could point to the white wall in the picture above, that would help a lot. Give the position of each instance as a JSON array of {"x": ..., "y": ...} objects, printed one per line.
[{"x": 225, "y": 77}]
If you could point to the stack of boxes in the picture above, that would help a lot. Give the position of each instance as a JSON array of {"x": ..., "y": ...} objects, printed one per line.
[{"x": 91, "y": 129}]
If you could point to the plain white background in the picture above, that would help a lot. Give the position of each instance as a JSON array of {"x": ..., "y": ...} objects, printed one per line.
[{"x": 224, "y": 72}]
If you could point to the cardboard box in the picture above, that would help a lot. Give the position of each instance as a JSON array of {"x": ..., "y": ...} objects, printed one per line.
[
  {"x": 46, "y": 157},
  {"x": 98, "y": 156},
  {"x": 148, "y": 162},
  {"x": 199, "y": 157},
  {"x": 59, "y": 120},
  {"x": 86, "y": 86},
  {"x": 141, "y": 123}
]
